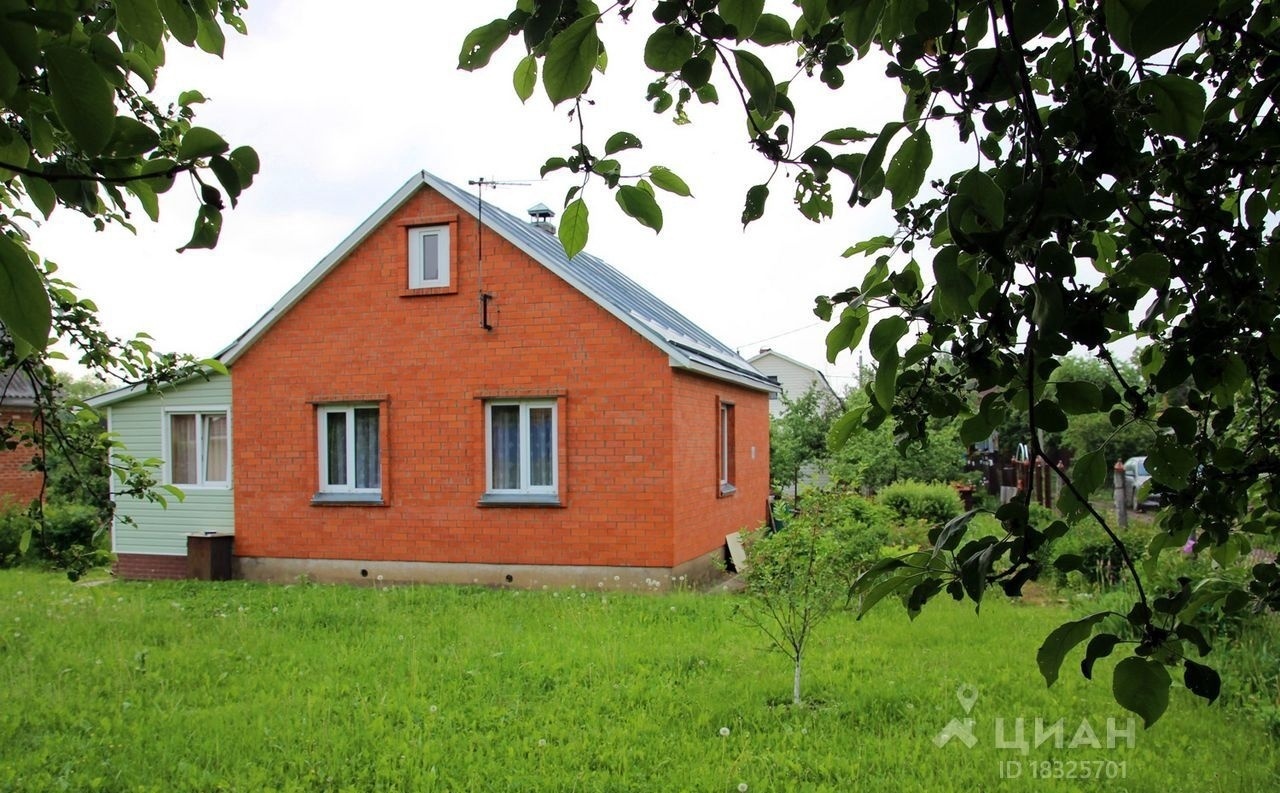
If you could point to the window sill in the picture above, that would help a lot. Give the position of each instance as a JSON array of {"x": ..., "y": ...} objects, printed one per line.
[
  {"x": 519, "y": 500},
  {"x": 347, "y": 500},
  {"x": 726, "y": 491},
  {"x": 424, "y": 291}
]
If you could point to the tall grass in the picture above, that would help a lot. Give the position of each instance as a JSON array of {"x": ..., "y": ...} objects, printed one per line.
[{"x": 234, "y": 686}]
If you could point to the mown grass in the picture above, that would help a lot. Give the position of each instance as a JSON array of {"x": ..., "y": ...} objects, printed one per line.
[{"x": 233, "y": 686}]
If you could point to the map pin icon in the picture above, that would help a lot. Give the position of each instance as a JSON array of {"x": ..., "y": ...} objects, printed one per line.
[{"x": 968, "y": 695}]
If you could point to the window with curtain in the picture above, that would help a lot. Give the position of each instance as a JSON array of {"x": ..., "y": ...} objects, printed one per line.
[
  {"x": 199, "y": 448},
  {"x": 521, "y": 447},
  {"x": 350, "y": 454}
]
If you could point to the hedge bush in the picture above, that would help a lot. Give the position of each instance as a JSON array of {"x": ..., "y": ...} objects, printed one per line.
[{"x": 917, "y": 501}]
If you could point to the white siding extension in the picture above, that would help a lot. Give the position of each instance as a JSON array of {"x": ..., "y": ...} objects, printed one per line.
[{"x": 138, "y": 422}]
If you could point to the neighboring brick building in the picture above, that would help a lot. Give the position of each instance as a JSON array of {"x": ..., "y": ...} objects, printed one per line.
[
  {"x": 425, "y": 405},
  {"x": 19, "y": 484}
]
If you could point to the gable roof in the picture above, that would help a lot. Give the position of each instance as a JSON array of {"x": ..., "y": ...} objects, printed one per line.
[
  {"x": 17, "y": 389},
  {"x": 688, "y": 346},
  {"x": 818, "y": 375}
]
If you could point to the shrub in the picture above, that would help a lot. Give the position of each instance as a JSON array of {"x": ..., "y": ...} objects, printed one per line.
[
  {"x": 916, "y": 501},
  {"x": 14, "y": 523},
  {"x": 71, "y": 537}
]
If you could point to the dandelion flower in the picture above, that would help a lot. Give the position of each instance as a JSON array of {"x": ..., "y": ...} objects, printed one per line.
[
  {"x": 432, "y": 709},
  {"x": 724, "y": 732},
  {"x": 742, "y": 787},
  {"x": 542, "y": 741}
]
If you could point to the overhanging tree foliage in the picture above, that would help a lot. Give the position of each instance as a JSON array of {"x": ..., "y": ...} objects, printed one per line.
[
  {"x": 80, "y": 130},
  {"x": 1122, "y": 184}
]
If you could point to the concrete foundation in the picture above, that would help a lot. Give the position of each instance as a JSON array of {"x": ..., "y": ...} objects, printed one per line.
[{"x": 694, "y": 574}]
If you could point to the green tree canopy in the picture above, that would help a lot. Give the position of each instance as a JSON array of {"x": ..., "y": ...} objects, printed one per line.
[
  {"x": 81, "y": 131},
  {"x": 1121, "y": 182}
]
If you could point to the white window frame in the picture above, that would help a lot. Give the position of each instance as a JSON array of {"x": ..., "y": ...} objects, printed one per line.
[
  {"x": 166, "y": 434},
  {"x": 525, "y": 448},
  {"x": 417, "y": 236},
  {"x": 349, "y": 410}
]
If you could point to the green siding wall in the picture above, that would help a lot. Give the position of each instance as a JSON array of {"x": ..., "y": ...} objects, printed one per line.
[{"x": 138, "y": 422}]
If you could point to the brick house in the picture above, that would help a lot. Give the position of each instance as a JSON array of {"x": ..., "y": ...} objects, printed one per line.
[
  {"x": 447, "y": 397},
  {"x": 19, "y": 484}
]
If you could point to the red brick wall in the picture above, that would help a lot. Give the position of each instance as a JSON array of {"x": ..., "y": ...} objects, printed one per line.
[
  {"x": 357, "y": 334},
  {"x": 703, "y": 514},
  {"x": 18, "y": 486},
  {"x": 150, "y": 567}
]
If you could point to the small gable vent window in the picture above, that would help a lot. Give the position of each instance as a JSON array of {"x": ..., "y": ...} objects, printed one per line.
[{"x": 429, "y": 257}]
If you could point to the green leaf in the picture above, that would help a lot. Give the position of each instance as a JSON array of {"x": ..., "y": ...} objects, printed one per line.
[
  {"x": 1149, "y": 269},
  {"x": 986, "y": 196},
  {"x": 847, "y": 333},
  {"x": 1089, "y": 472},
  {"x": 209, "y": 36},
  {"x": 814, "y": 13},
  {"x": 1170, "y": 463},
  {"x": 525, "y": 78},
  {"x": 886, "y": 383},
  {"x": 41, "y": 194},
  {"x": 181, "y": 21},
  {"x": 200, "y": 142},
  {"x": 1162, "y": 25},
  {"x": 24, "y": 542},
  {"x": 908, "y": 167},
  {"x": 147, "y": 198},
  {"x": 1179, "y": 105},
  {"x": 744, "y": 15},
  {"x": 1141, "y": 685},
  {"x": 640, "y": 205},
  {"x": 771, "y": 30},
  {"x": 758, "y": 81},
  {"x": 1060, "y": 642},
  {"x": 619, "y": 141},
  {"x": 480, "y": 44},
  {"x": 1181, "y": 422},
  {"x": 1201, "y": 680},
  {"x": 81, "y": 96},
  {"x": 1078, "y": 397},
  {"x": 215, "y": 365},
  {"x": 175, "y": 491},
  {"x": 861, "y": 20},
  {"x": 142, "y": 20},
  {"x": 1049, "y": 417},
  {"x": 667, "y": 179},
  {"x": 668, "y": 48},
  {"x": 132, "y": 138},
  {"x": 24, "y": 304},
  {"x": 885, "y": 336},
  {"x": 1100, "y": 646},
  {"x": 574, "y": 228},
  {"x": 570, "y": 58},
  {"x": 756, "y": 198},
  {"x": 207, "y": 227}
]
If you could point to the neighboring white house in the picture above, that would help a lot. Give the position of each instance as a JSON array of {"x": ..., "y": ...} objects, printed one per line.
[{"x": 795, "y": 378}]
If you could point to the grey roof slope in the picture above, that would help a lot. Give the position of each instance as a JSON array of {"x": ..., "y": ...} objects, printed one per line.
[
  {"x": 689, "y": 346},
  {"x": 17, "y": 389}
]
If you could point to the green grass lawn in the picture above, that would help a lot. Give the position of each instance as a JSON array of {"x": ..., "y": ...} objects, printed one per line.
[{"x": 234, "y": 686}]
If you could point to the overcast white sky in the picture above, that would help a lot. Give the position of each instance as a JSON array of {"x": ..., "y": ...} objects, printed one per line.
[{"x": 343, "y": 106}]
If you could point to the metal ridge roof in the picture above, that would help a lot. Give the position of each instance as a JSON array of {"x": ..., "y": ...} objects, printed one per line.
[{"x": 688, "y": 345}]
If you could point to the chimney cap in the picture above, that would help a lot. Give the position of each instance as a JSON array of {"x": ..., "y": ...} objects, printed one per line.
[{"x": 541, "y": 212}]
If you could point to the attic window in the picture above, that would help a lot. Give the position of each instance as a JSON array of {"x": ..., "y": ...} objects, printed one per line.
[{"x": 429, "y": 257}]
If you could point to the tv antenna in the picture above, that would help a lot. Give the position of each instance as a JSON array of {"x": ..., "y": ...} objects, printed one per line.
[{"x": 480, "y": 184}]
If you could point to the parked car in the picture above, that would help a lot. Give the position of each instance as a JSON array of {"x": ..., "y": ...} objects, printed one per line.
[{"x": 1136, "y": 489}]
